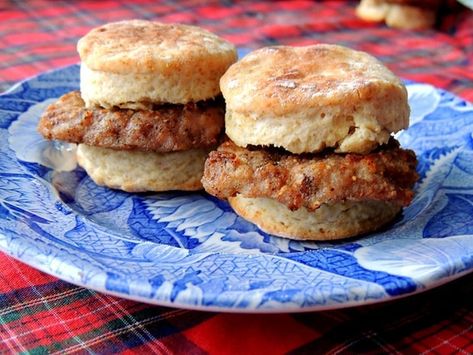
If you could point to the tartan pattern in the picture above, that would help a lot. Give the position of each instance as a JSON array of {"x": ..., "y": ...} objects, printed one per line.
[
  {"x": 39, "y": 35},
  {"x": 56, "y": 316},
  {"x": 40, "y": 314}
]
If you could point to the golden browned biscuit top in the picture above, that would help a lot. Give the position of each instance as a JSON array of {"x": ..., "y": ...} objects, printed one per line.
[
  {"x": 141, "y": 46},
  {"x": 285, "y": 80}
]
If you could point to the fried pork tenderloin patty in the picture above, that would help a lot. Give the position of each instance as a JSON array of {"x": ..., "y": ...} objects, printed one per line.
[
  {"x": 167, "y": 128},
  {"x": 310, "y": 180}
]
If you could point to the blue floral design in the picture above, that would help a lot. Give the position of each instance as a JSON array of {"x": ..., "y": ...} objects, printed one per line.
[{"x": 192, "y": 250}]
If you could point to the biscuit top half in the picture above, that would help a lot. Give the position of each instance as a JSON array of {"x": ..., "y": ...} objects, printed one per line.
[
  {"x": 281, "y": 80},
  {"x": 306, "y": 99},
  {"x": 136, "y": 64},
  {"x": 140, "y": 46}
]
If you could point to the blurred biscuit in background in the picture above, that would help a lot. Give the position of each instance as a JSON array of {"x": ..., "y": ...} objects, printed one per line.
[{"x": 404, "y": 14}]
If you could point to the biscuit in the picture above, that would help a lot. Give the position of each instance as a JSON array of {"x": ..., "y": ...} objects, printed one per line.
[
  {"x": 137, "y": 63},
  {"x": 306, "y": 99},
  {"x": 329, "y": 222},
  {"x": 137, "y": 171},
  {"x": 372, "y": 10},
  {"x": 410, "y": 17},
  {"x": 405, "y": 14}
]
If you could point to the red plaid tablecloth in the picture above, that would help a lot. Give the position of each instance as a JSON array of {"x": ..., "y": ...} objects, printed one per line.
[{"x": 41, "y": 314}]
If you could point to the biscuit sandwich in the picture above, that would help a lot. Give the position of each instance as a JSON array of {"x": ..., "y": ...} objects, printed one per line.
[
  {"x": 310, "y": 153},
  {"x": 149, "y": 107}
]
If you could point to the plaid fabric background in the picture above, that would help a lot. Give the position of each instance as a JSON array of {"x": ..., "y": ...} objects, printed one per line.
[
  {"x": 41, "y": 35},
  {"x": 40, "y": 314}
]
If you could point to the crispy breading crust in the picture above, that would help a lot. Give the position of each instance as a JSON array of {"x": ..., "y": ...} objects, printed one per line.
[
  {"x": 168, "y": 128},
  {"x": 296, "y": 181}
]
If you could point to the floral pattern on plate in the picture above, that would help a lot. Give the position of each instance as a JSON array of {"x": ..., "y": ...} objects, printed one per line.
[{"x": 191, "y": 250}]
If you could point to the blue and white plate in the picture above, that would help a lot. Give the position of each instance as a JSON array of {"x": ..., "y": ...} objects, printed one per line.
[{"x": 190, "y": 250}]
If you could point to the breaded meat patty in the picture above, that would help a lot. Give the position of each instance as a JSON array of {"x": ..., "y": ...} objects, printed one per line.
[
  {"x": 310, "y": 180},
  {"x": 167, "y": 128}
]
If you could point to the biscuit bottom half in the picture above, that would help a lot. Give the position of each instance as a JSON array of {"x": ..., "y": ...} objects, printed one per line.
[
  {"x": 138, "y": 171},
  {"x": 328, "y": 222}
]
